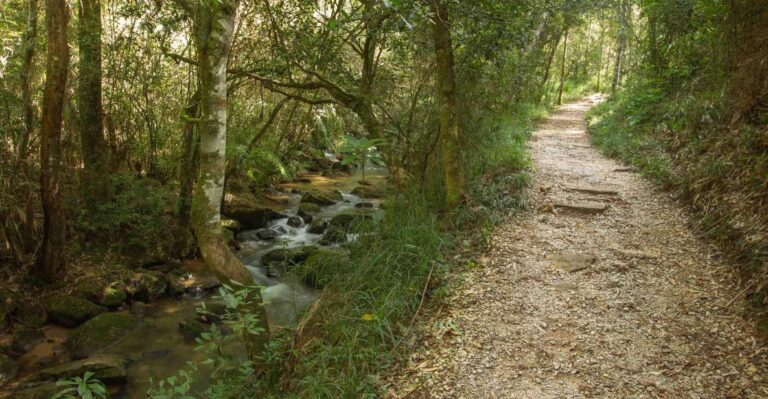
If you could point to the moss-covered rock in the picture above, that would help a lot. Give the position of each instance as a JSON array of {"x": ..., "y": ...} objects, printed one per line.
[
  {"x": 31, "y": 314},
  {"x": 26, "y": 339},
  {"x": 322, "y": 198},
  {"x": 71, "y": 311},
  {"x": 99, "y": 333},
  {"x": 106, "y": 292},
  {"x": 147, "y": 286},
  {"x": 280, "y": 261},
  {"x": 231, "y": 225},
  {"x": 346, "y": 221},
  {"x": 321, "y": 266},
  {"x": 37, "y": 390},
  {"x": 308, "y": 211},
  {"x": 369, "y": 192},
  {"x": 106, "y": 368},
  {"x": 318, "y": 226},
  {"x": 253, "y": 218},
  {"x": 334, "y": 235},
  {"x": 8, "y": 369}
]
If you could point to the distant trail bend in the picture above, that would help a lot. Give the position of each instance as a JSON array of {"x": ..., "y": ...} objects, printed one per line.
[{"x": 601, "y": 291}]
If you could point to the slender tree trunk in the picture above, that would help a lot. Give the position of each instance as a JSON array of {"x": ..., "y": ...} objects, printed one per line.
[
  {"x": 449, "y": 110},
  {"x": 95, "y": 176},
  {"x": 548, "y": 69},
  {"x": 602, "y": 54},
  {"x": 619, "y": 49},
  {"x": 56, "y": 20},
  {"x": 30, "y": 44},
  {"x": 562, "y": 70},
  {"x": 214, "y": 23},
  {"x": 189, "y": 169}
]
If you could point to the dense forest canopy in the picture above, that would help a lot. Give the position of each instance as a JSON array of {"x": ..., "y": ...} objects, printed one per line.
[{"x": 142, "y": 133}]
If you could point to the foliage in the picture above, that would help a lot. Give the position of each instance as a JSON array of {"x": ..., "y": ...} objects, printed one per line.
[
  {"x": 83, "y": 387},
  {"x": 361, "y": 151}
]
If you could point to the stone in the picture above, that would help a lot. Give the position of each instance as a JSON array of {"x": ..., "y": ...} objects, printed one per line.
[
  {"x": 25, "y": 340},
  {"x": 31, "y": 314},
  {"x": 191, "y": 330},
  {"x": 267, "y": 234},
  {"x": 255, "y": 218},
  {"x": 364, "y": 205},
  {"x": 572, "y": 262},
  {"x": 232, "y": 225},
  {"x": 8, "y": 369},
  {"x": 281, "y": 260},
  {"x": 334, "y": 235},
  {"x": 139, "y": 308},
  {"x": 369, "y": 192},
  {"x": 106, "y": 293},
  {"x": 308, "y": 209},
  {"x": 99, "y": 333},
  {"x": 592, "y": 190},
  {"x": 346, "y": 221},
  {"x": 322, "y": 198},
  {"x": 582, "y": 207},
  {"x": 295, "y": 221},
  {"x": 7, "y": 305},
  {"x": 37, "y": 390},
  {"x": 105, "y": 368},
  {"x": 318, "y": 226},
  {"x": 193, "y": 284},
  {"x": 321, "y": 266},
  {"x": 71, "y": 311},
  {"x": 147, "y": 286}
]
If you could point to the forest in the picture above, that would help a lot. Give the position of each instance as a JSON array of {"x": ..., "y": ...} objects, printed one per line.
[{"x": 290, "y": 198}]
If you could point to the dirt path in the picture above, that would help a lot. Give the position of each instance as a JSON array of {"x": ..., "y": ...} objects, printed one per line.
[{"x": 622, "y": 303}]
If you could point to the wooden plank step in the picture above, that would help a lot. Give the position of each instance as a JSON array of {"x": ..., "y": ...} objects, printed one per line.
[
  {"x": 592, "y": 190},
  {"x": 583, "y": 207}
]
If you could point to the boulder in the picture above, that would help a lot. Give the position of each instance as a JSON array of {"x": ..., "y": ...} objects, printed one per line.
[
  {"x": 281, "y": 260},
  {"x": 364, "y": 205},
  {"x": 334, "y": 235},
  {"x": 231, "y": 225},
  {"x": 295, "y": 221},
  {"x": 99, "y": 333},
  {"x": 26, "y": 339},
  {"x": 106, "y": 368},
  {"x": 346, "y": 221},
  {"x": 106, "y": 293},
  {"x": 71, "y": 311},
  {"x": 256, "y": 218},
  {"x": 191, "y": 330},
  {"x": 8, "y": 369},
  {"x": 192, "y": 284},
  {"x": 318, "y": 226},
  {"x": 37, "y": 390},
  {"x": 369, "y": 192},
  {"x": 267, "y": 234},
  {"x": 323, "y": 198},
  {"x": 147, "y": 286},
  {"x": 321, "y": 266},
  {"x": 31, "y": 314}
]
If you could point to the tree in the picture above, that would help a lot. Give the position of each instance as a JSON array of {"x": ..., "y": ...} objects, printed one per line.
[
  {"x": 29, "y": 43},
  {"x": 89, "y": 104},
  {"x": 57, "y": 65},
  {"x": 562, "y": 69},
  {"x": 449, "y": 110}
]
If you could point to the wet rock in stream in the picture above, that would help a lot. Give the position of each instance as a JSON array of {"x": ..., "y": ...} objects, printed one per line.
[
  {"x": 106, "y": 368},
  {"x": 318, "y": 226},
  {"x": 111, "y": 294},
  {"x": 71, "y": 311},
  {"x": 99, "y": 333},
  {"x": 322, "y": 198},
  {"x": 255, "y": 218},
  {"x": 147, "y": 286},
  {"x": 307, "y": 211},
  {"x": 26, "y": 339},
  {"x": 281, "y": 260},
  {"x": 334, "y": 235},
  {"x": 295, "y": 221}
]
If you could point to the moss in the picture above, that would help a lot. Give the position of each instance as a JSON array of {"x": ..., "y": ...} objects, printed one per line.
[
  {"x": 71, "y": 311},
  {"x": 322, "y": 198},
  {"x": 321, "y": 267},
  {"x": 99, "y": 333}
]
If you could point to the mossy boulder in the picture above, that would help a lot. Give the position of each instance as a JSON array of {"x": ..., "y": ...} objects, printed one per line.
[
  {"x": 106, "y": 368},
  {"x": 321, "y": 266},
  {"x": 334, "y": 235},
  {"x": 318, "y": 226},
  {"x": 31, "y": 314},
  {"x": 26, "y": 339},
  {"x": 307, "y": 211},
  {"x": 147, "y": 286},
  {"x": 321, "y": 198},
  {"x": 106, "y": 293},
  {"x": 346, "y": 221},
  {"x": 71, "y": 311},
  {"x": 37, "y": 390},
  {"x": 253, "y": 218},
  {"x": 8, "y": 369},
  {"x": 281, "y": 260},
  {"x": 369, "y": 192},
  {"x": 99, "y": 333},
  {"x": 231, "y": 225}
]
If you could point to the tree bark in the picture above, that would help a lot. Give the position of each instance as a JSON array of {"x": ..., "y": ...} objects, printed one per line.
[
  {"x": 56, "y": 20},
  {"x": 30, "y": 44},
  {"x": 189, "y": 169},
  {"x": 449, "y": 110},
  {"x": 562, "y": 70},
  {"x": 619, "y": 49},
  {"x": 95, "y": 176}
]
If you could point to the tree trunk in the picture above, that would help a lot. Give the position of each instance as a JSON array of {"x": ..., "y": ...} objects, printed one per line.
[
  {"x": 95, "y": 176},
  {"x": 449, "y": 110},
  {"x": 619, "y": 49},
  {"x": 562, "y": 70},
  {"x": 30, "y": 44},
  {"x": 56, "y": 20},
  {"x": 214, "y": 23},
  {"x": 189, "y": 168}
]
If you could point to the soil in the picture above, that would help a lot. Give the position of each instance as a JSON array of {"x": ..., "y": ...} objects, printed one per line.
[{"x": 601, "y": 290}]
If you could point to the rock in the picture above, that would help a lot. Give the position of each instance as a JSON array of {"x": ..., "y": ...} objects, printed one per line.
[
  {"x": 232, "y": 225},
  {"x": 147, "y": 286},
  {"x": 305, "y": 180},
  {"x": 99, "y": 333},
  {"x": 214, "y": 312},
  {"x": 71, "y": 311},
  {"x": 110, "y": 294},
  {"x": 321, "y": 266},
  {"x": 267, "y": 234},
  {"x": 334, "y": 235},
  {"x": 280, "y": 261},
  {"x": 346, "y": 221},
  {"x": 583, "y": 207},
  {"x": 369, "y": 192},
  {"x": 322, "y": 198},
  {"x": 191, "y": 330},
  {"x": 295, "y": 221},
  {"x": 31, "y": 314},
  {"x": 592, "y": 190},
  {"x": 106, "y": 368},
  {"x": 229, "y": 237},
  {"x": 256, "y": 218},
  {"x": 37, "y": 390},
  {"x": 139, "y": 309},
  {"x": 364, "y": 205},
  {"x": 8, "y": 369},
  {"x": 26, "y": 339},
  {"x": 176, "y": 287},
  {"x": 308, "y": 209},
  {"x": 318, "y": 226},
  {"x": 192, "y": 284},
  {"x": 7, "y": 305},
  {"x": 572, "y": 262}
]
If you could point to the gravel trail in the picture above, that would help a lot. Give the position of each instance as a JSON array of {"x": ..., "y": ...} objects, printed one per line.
[{"x": 602, "y": 290}]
